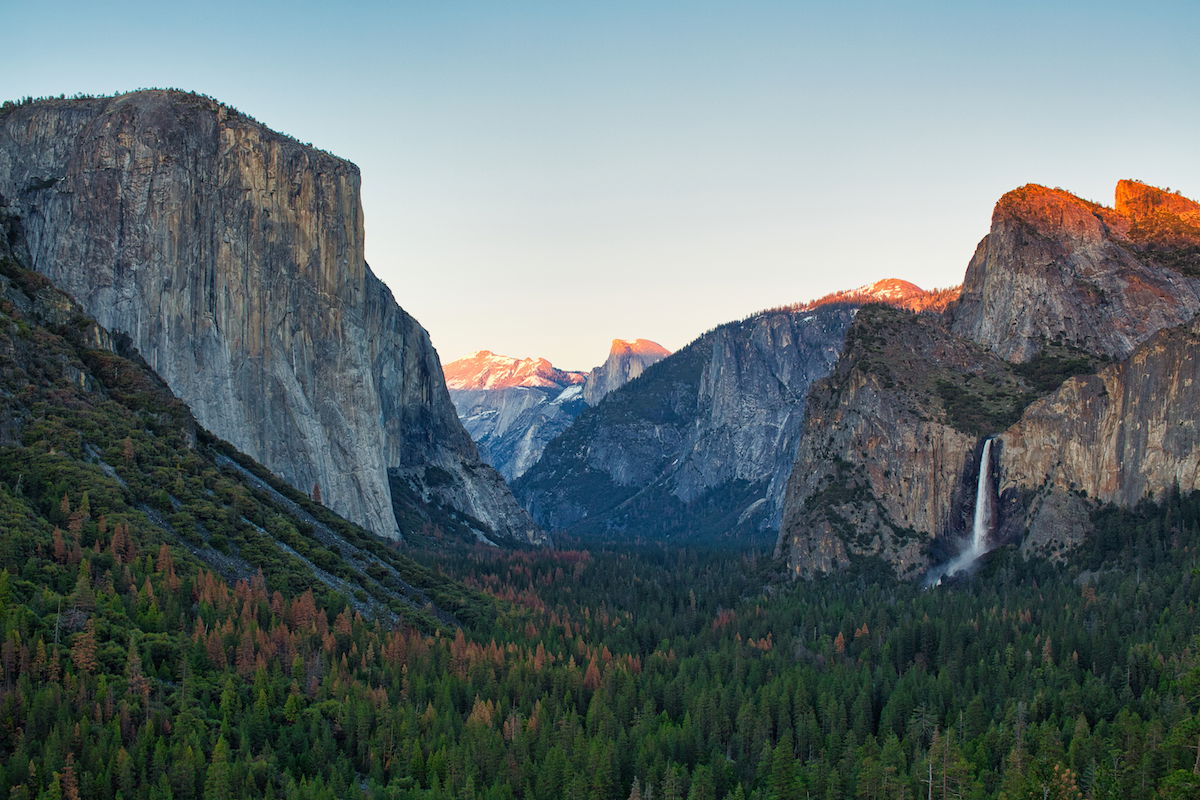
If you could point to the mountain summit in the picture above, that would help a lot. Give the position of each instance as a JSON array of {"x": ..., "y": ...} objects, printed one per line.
[
  {"x": 626, "y": 361},
  {"x": 1071, "y": 349},
  {"x": 889, "y": 291},
  {"x": 1057, "y": 268},
  {"x": 488, "y": 370},
  {"x": 513, "y": 407}
]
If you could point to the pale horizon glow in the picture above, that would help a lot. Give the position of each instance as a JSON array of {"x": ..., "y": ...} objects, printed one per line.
[{"x": 541, "y": 178}]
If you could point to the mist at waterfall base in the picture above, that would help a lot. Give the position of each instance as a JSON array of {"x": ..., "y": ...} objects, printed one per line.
[{"x": 983, "y": 522}]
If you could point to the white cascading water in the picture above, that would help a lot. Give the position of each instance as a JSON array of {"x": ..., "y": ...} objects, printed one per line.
[
  {"x": 982, "y": 524},
  {"x": 985, "y": 503}
]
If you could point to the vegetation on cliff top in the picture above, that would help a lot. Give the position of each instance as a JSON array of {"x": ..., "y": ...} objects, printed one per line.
[{"x": 943, "y": 377}]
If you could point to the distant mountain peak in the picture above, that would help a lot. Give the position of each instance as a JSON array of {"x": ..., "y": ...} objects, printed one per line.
[
  {"x": 640, "y": 346},
  {"x": 891, "y": 291},
  {"x": 488, "y": 370},
  {"x": 627, "y": 359}
]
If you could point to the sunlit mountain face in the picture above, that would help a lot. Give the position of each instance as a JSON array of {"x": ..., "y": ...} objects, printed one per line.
[{"x": 488, "y": 370}]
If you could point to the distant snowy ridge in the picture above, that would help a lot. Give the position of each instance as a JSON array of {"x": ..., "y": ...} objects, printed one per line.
[
  {"x": 891, "y": 291},
  {"x": 488, "y": 370}
]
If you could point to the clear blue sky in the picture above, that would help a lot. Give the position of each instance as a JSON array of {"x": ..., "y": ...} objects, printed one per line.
[{"x": 539, "y": 178}]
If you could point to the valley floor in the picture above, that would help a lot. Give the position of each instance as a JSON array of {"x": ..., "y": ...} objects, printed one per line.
[{"x": 622, "y": 672}]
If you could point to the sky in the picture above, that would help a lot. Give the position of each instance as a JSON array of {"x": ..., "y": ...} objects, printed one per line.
[{"x": 542, "y": 177}]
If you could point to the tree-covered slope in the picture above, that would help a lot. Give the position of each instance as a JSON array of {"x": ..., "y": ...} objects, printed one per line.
[{"x": 94, "y": 446}]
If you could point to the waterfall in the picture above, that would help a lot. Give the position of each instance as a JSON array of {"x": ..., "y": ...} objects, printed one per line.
[
  {"x": 985, "y": 504},
  {"x": 981, "y": 525}
]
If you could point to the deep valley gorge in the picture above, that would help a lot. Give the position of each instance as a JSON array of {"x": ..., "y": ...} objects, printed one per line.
[{"x": 257, "y": 539}]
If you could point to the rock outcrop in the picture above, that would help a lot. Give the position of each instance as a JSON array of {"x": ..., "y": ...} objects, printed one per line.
[
  {"x": 233, "y": 258},
  {"x": 1055, "y": 268},
  {"x": 1059, "y": 289},
  {"x": 626, "y": 361},
  {"x": 702, "y": 443},
  {"x": 889, "y": 447},
  {"x": 1123, "y": 434}
]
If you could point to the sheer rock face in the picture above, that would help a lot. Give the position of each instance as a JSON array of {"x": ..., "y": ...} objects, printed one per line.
[
  {"x": 883, "y": 467},
  {"x": 626, "y": 361},
  {"x": 1055, "y": 268},
  {"x": 1118, "y": 436},
  {"x": 514, "y": 407},
  {"x": 233, "y": 258},
  {"x": 511, "y": 426},
  {"x": 703, "y": 443},
  {"x": 700, "y": 441}
]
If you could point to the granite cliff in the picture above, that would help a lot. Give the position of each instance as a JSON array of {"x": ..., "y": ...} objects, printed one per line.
[
  {"x": 1055, "y": 268},
  {"x": 890, "y": 442},
  {"x": 232, "y": 256},
  {"x": 82, "y": 415},
  {"x": 702, "y": 443},
  {"x": 1123, "y": 434},
  {"x": 1092, "y": 309},
  {"x": 626, "y": 361}
]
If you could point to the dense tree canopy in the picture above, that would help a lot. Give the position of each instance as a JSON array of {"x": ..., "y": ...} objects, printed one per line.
[{"x": 132, "y": 671}]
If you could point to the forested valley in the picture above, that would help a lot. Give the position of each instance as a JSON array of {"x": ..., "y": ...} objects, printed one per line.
[{"x": 131, "y": 670}]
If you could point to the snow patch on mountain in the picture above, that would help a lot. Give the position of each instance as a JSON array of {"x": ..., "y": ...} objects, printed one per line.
[{"x": 488, "y": 370}]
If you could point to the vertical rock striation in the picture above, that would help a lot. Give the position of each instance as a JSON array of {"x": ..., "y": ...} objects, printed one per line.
[
  {"x": 233, "y": 257},
  {"x": 626, "y": 361},
  {"x": 512, "y": 407},
  {"x": 703, "y": 443},
  {"x": 1126, "y": 433},
  {"x": 890, "y": 444},
  {"x": 512, "y": 426}
]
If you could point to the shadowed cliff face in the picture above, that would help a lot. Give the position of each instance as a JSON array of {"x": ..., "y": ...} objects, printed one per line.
[
  {"x": 702, "y": 444},
  {"x": 1055, "y": 268},
  {"x": 233, "y": 258},
  {"x": 513, "y": 406},
  {"x": 693, "y": 445},
  {"x": 511, "y": 426},
  {"x": 1118, "y": 436}
]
